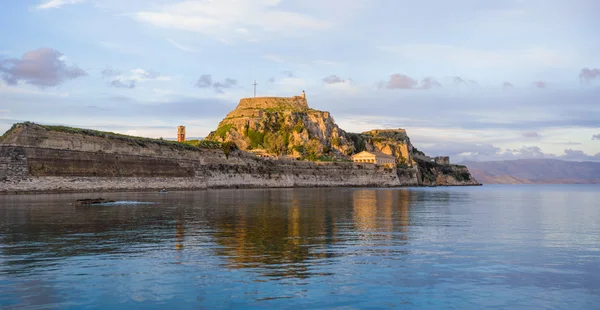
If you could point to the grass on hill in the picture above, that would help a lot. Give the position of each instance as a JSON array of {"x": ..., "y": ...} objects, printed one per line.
[{"x": 141, "y": 141}]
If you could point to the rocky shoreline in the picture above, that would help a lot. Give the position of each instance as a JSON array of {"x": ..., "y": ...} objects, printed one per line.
[{"x": 45, "y": 159}]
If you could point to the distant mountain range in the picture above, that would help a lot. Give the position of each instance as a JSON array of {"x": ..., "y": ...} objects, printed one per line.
[{"x": 535, "y": 171}]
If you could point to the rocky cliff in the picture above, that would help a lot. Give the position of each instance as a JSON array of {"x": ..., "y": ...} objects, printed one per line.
[
  {"x": 36, "y": 158},
  {"x": 284, "y": 126},
  {"x": 288, "y": 126},
  {"x": 57, "y": 158}
]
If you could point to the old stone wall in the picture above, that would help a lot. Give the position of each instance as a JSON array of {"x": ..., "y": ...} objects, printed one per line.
[
  {"x": 295, "y": 103},
  {"x": 51, "y": 170},
  {"x": 54, "y": 162},
  {"x": 13, "y": 163}
]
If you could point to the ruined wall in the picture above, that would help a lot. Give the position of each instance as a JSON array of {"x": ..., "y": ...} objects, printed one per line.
[
  {"x": 34, "y": 169},
  {"x": 295, "y": 103},
  {"x": 53, "y": 162},
  {"x": 13, "y": 164}
]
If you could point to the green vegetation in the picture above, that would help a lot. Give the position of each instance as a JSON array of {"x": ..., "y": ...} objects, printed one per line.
[
  {"x": 299, "y": 127},
  {"x": 140, "y": 141},
  {"x": 223, "y": 130},
  {"x": 402, "y": 166},
  {"x": 203, "y": 144},
  {"x": 462, "y": 176},
  {"x": 256, "y": 138},
  {"x": 358, "y": 140},
  {"x": 228, "y": 147},
  {"x": 416, "y": 151},
  {"x": 336, "y": 142},
  {"x": 8, "y": 132}
]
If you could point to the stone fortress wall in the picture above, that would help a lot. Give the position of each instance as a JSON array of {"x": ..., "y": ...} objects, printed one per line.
[{"x": 38, "y": 160}]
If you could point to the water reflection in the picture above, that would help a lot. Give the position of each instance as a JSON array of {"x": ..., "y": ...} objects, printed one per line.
[{"x": 216, "y": 247}]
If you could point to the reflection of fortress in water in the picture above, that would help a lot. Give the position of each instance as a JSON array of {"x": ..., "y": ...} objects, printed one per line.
[
  {"x": 283, "y": 233},
  {"x": 309, "y": 225}
]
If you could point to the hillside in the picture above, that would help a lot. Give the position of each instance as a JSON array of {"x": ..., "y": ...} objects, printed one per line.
[
  {"x": 288, "y": 127},
  {"x": 535, "y": 171}
]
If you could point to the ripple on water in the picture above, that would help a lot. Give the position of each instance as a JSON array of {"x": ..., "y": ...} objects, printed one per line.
[{"x": 504, "y": 247}]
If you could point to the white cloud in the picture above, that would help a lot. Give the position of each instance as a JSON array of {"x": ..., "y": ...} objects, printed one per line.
[
  {"x": 54, "y": 4},
  {"x": 182, "y": 47},
  {"x": 475, "y": 58},
  {"x": 233, "y": 18}
]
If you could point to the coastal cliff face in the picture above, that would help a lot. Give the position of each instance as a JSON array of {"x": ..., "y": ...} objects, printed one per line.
[
  {"x": 37, "y": 158},
  {"x": 393, "y": 142},
  {"x": 283, "y": 126},
  {"x": 57, "y": 158}
]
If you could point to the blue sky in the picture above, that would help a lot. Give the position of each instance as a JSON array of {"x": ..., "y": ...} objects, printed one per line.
[{"x": 471, "y": 79}]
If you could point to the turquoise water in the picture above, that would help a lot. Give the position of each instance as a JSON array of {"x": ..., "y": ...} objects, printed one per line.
[{"x": 505, "y": 247}]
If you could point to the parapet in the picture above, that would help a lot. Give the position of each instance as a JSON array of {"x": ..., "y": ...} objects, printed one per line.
[
  {"x": 296, "y": 103},
  {"x": 442, "y": 160}
]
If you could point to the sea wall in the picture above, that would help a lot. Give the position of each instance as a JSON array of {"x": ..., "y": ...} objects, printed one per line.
[
  {"x": 13, "y": 164},
  {"x": 35, "y": 169},
  {"x": 34, "y": 158}
]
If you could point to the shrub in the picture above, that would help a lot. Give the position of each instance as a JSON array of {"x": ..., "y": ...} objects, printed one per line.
[
  {"x": 256, "y": 138},
  {"x": 228, "y": 147},
  {"x": 223, "y": 130}
]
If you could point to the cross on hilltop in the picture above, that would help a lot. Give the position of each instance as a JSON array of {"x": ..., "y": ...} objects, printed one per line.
[{"x": 255, "y": 88}]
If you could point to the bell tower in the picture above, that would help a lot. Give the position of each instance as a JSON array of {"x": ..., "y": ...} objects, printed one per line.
[
  {"x": 180, "y": 133},
  {"x": 303, "y": 95}
]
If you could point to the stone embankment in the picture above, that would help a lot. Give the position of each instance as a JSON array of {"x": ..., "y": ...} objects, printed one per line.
[
  {"x": 34, "y": 158},
  {"x": 33, "y": 169}
]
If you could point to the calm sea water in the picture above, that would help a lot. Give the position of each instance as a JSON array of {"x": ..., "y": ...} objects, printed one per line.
[{"x": 506, "y": 247}]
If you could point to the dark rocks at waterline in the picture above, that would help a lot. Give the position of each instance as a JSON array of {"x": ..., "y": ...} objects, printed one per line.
[{"x": 92, "y": 201}]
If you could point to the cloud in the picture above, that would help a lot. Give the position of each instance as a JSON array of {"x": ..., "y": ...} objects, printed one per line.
[
  {"x": 206, "y": 81},
  {"x": 540, "y": 84},
  {"x": 110, "y": 72},
  {"x": 507, "y": 85},
  {"x": 244, "y": 19},
  {"x": 43, "y": 67},
  {"x": 122, "y": 84},
  {"x": 460, "y": 152},
  {"x": 587, "y": 74},
  {"x": 333, "y": 79},
  {"x": 401, "y": 81},
  {"x": 54, "y": 4},
  {"x": 181, "y": 47},
  {"x": 228, "y": 83},
  {"x": 579, "y": 155},
  {"x": 531, "y": 134},
  {"x": 429, "y": 82},
  {"x": 473, "y": 58},
  {"x": 458, "y": 81},
  {"x": 596, "y": 137},
  {"x": 117, "y": 79},
  {"x": 288, "y": 74}
]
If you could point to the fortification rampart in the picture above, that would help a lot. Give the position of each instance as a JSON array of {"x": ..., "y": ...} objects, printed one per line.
[
  {"x": 296, "y": 103},
  {"x": 34, "y": 169}
]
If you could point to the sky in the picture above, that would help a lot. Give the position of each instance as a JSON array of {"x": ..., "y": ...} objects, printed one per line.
[{"x": 475, "y": 80}]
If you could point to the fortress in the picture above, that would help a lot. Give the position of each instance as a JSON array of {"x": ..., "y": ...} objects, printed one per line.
[{"x": 39, "y": 158}]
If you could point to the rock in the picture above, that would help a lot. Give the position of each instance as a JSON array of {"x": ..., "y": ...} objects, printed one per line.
[
  {"x": 283, "y": 126},
  {"x": 92, "y": 201}
]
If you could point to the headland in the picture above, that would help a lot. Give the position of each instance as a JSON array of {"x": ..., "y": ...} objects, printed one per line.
[{"x": 264, "y": 142}]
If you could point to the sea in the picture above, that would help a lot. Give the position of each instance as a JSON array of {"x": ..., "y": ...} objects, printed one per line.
[{"x": 488, "y": 247}]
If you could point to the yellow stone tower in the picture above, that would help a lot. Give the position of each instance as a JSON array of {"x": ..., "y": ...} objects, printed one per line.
[
  {"x": 180, "y": 133},
  {"x": 303, "y": 95}
]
